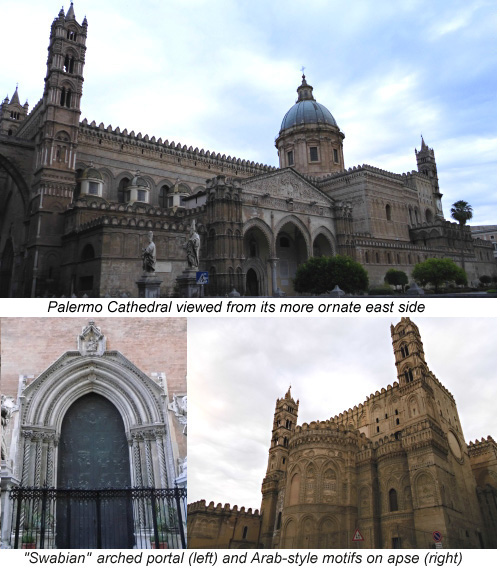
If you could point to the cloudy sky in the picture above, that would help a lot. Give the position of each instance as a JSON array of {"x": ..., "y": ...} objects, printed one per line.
[
  {"x": 220, "y": 75},
  {"x": 238, "y": 367}
]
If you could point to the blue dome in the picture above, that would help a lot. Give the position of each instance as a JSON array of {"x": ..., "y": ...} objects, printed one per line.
[{"x": 307, "y": 112}]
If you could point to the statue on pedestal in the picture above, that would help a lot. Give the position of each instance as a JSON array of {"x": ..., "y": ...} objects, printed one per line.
[
  {"x": 149, "y": 255},
  {"x": 193, "y": 247}
]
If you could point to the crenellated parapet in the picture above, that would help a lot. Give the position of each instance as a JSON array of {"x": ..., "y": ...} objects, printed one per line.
[
  {"x": 202, "y": 507},
  {"x": 121, "y": 140},
  {"x": 482, "y": 447}
]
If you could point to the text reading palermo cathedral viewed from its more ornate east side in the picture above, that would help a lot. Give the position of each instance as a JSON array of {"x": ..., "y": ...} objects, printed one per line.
[
  {"x": 392, "y": 472},
  {"x": 95, "y": 210}
]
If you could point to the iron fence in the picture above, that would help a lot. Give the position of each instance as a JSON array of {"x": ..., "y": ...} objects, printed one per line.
[{"x": 139, "y": 517}]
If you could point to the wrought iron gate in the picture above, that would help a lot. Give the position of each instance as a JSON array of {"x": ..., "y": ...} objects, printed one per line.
[{"x": 142, "y": 517}]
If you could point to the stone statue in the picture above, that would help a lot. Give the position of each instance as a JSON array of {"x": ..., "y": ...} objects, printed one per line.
[
  {"x": 149, "y": 255},
  {"x": 193, "y": 247},
  {"x": 6, "y": 414}
]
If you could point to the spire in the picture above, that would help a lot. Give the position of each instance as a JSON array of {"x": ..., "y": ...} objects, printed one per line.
[
  {"x": 71, "y": 13},
  {"x": 15, "y": 98},
  {"x": 305, "y": 91},
  {"x": 288, "y": 394},
  {"x": 61, "y": 12},
  {"x": 424, "y": 145}
]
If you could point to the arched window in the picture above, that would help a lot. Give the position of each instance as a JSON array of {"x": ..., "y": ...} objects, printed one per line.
[
  {"x": 69, "y": 64},
  {"x": 87, "y": 252},
  {"x": 245, "y": 531},
  {"x": 65, "y": 97},
  {"x": 121, "y": 190},
  {"x": 393, "y": 500},
  {"x": 388, "y": 213}
]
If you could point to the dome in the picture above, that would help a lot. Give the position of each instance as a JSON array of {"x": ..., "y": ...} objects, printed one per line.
[{"x": 306, "y": 110}]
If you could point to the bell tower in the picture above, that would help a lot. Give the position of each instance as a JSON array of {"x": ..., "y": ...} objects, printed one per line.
[
  {"x": 56, "y": 142},
  {"x": 426, "y": 164},
  {"x": 408, "y": 351},
  {"x": 285, "y": 420}
]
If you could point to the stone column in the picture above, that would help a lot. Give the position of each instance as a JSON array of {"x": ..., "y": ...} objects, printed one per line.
[
  {"x": 273, "y": 262},
  {"x": 161, "y": 458}
]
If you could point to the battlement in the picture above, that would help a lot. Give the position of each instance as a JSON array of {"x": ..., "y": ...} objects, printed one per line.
[
  {"x": 202, "y": 507},
  {"x": 482, "y": 446},
  {"x": 171, "y": 147},
  {"x": 403, "y": 178}
]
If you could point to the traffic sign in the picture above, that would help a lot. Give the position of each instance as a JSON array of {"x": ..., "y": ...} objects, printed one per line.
[
  {"x": 357, "y": 536},
  {"x": 202, "y": 278},
  {"x": 437, "y": 536}
]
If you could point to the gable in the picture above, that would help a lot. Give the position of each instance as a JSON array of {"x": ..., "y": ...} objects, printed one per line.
[{"x": 286, "y": 184}]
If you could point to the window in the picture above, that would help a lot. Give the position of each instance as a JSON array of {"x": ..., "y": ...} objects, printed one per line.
[
  {"x": 69, "y": 64},
  {"x": 313, "y": 154},
  {"x": 71, "y": 35},
  {"x": 245, "y": 531},
  {"x": 388, "y": 212},
  {"x": 142, "y": 195},
  {"x": 93, "y": 188},
  {"x": 65, "y": 97},
  {"x": 397, "y": 421},
  {"x": 284, "y": 242},
  {"x": 289, "y": 157},
  {"x": 335, "y": 155},
  {"x": 396, "y": 542},
  {"x": 278, "y": 522},
  {"x": 393, "y": 500}
]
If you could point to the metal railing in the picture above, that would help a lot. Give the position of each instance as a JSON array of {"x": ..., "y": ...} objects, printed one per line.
[{"x": 140, "y": 517}]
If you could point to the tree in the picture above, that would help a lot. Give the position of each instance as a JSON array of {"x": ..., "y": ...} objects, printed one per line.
[
  {"x": 396, "y": 277},
  {"x": 462, "y": 212},
  {"x": 320, "y": 274},
  {"x": 437, "y": 271}
]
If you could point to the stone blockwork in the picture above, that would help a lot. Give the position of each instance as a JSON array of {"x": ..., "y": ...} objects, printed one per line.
[
  {"x": 395, "y": 468},
  {"x": 211, "y": 526},
  {"x": 64, "y": 232}
]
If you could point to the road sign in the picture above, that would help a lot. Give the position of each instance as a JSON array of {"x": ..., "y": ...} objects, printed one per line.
[
  {"x": 202, "y": 278},
  {"x": 357, "y": 536},
  {"x": 437, "y": 536}
]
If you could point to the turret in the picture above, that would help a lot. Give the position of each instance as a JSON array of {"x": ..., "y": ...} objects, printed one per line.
[
  {"x": 12, "y": 113},
  {"x": 426, "y": 164},
  {"x": 54, "y": 181},
  {"x": 284, "y": 423}
]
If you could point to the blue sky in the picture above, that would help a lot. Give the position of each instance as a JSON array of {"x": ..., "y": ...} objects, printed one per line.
[{"x": 220, "y": 75}]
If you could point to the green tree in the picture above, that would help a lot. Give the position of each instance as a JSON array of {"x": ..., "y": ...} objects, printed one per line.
[
  {"x": 320, "y": 275},
  {"x": 396, "y": 278},
  {"x": 462, "y": 212},
  {"x": 437, "y": 271}
]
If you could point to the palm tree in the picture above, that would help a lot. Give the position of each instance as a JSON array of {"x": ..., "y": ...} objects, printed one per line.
[{"x": 462, "y": 212}]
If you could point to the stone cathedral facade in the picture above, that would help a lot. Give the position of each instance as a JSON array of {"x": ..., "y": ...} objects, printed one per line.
[
  {"x": 77, "y": 199},
  {"x": 387, "y": 473},
  {"x": 94, "y": 410}
]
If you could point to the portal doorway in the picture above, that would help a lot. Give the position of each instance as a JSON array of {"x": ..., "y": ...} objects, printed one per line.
[
  {"x": 252, "y": 283},
  {"x": 94, "y": 454}
]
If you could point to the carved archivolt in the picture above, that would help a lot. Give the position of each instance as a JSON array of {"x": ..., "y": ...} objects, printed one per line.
[{"x": 138, "y": 399}]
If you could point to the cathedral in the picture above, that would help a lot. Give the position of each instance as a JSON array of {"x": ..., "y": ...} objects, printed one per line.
[
  {"x": 392, "y": 472},
  {"x": 78, "y": 199},
  {"x": 94, "y": 433}
]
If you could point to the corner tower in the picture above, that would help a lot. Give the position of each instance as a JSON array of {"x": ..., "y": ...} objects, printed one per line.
[
  {"x": 408, "y": 352},
  {"x": 284, "y": 423},
  {"x": 309, "y": 139},
  {"x": 426, "y": 164},
  {"x": 56, "y": 140}
]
